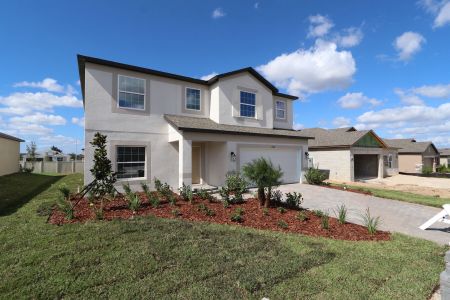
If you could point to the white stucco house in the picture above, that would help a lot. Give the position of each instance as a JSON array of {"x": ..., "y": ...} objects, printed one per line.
[
  {"x": 186, "y": 130},
  {"x": 10, "y": 154}
]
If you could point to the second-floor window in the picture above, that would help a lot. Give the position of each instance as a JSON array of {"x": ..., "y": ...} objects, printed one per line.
[
  {"x": 248, "y": 104},
  {"x": 131, "y": 92},
  {"x": 280, "y": 109},
  {"x": 192, "y": 99}
]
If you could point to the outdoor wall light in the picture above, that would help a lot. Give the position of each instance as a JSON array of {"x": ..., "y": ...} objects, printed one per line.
[
  {"x": 307, "y": 154},
  {"x": 233, "y": 156}
]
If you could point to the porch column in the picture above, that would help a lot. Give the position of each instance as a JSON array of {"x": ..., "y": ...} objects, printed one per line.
[
  {"x": 380, "y": 166},
  {"x": 184, "y": 162}
]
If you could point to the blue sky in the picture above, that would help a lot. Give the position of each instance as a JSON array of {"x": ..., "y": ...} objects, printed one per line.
[{"x": 382, "y": 65}]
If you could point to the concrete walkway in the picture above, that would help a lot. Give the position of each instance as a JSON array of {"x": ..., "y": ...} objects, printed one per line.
[{"x": 395, "y": 215}]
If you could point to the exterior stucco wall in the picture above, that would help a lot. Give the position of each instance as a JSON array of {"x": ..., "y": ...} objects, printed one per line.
[
  {"x": 9, "y": 158},
  {"x": 409, "y": 163},
  {"x": 336, "y": 161}
]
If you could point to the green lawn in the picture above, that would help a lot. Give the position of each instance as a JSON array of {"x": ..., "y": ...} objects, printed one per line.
[
  {"x": 163, "y": 259},
  {"x": 401, "y": 196}
]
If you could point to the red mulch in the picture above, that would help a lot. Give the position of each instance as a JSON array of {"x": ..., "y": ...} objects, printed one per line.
[
  {"x": 253, "y": 217},
  {"x": 348, "y": 189}
]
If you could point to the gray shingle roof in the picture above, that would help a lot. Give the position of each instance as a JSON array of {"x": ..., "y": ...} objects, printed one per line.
[
  {"x": 409, "y": 145},
  {"x": 329, "y": 138},
  {"x": 208, "y": 125},
  {"x": 444, "y": 151},
  {"x": 10, "y": 137}
]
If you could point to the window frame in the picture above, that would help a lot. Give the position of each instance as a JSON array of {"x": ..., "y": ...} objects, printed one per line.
[
  {"x": 185, "y": 99},
  {"x": 119, "y": 91},
  {"x": 240, "y": 103},
  {"x": 284, "y": 110},
  {"x": 130, "y": 162}
]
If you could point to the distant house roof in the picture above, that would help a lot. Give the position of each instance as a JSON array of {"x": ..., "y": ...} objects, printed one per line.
[
  {"x": 10, "y": 137},
  {"x": 82, "y": 60},
  {"x": 444, "y": 152},
  {"x": 196, "y": 124},
  {"x": 410, "y": 145},
  {"x": 338, "y": 138}
]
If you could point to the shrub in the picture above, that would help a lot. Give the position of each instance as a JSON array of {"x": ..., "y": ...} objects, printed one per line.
[
  {"x": 236, "y": 185},
  {"x": 206, "y": 210},
  {"x": 153, "y": 200},
  {"x": 265, "y": 211},
  {"x": 370, "y": 222},
  {"x": 127, "y": 189},
  {"x": 325, "y": 220},
  {"x": 426, "y": 170},
  {"x": 281, "y": 209},
  {"x": 282, "y": 224},
  {"x": 302, "y": 216},
  {"x": 276, "y": 196},
  {"x": 205, "y": 195},
  {"x": 341, "y": 213},
  {"x": 315, "y": 176},
  {"x": 265, "y": 176},
  {"x": 98, "y": 213},
  {"x": 158, "y": 184},
  {"x": 176, "y": 212},
  {"x": 294, "y": 200},
  {"x": 134, "y": 203},
  {"x": 64, "y": 190},
  {"x": 163, "y": 188},
  {"x": 318, "y": 213},
  {"x": 145, "y": 188},
  {"x": 237, "y": 215},
  {"x": 45, "y": 209},
  {"x": 65, "y": 206},
  {"x": 225, "y": 194},
  {"x": 186, "y": 193}
]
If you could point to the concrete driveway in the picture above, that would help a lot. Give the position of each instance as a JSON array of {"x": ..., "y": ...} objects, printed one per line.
[{"x": 396, "y": 216}]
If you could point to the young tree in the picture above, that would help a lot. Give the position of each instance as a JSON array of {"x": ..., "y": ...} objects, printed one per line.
[
  {"x": 264, "y": 175},
  {"x": 31, "y": 152},
  {"x": 102, "y": 170}
]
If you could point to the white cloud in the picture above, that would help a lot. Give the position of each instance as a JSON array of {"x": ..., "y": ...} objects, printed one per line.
[
  {"x": 39, "y": 118},
  {"x": 352, "y": 37},
  {"x": 320, "y": 68},
  {"x": 439, "y": 9},
  {"x": 409, "y": 98},
  {"x": 25, "y": 103},
  {"x": 209, "y": 76},
  {"x": 48, "y": 84},
  {"x": 408, "y": 44},
  {"x": 218, "y": 13},
  {"x": 256, "y": 5},
  {"x": 78, "y": 121},
  {"x": 298, "y": 126},
  {"x": 319, "y": 26},
  {"x": 356, "y": 100},
  {"x": 433, "y": 91},
  {"x": 341, "y": 122}
]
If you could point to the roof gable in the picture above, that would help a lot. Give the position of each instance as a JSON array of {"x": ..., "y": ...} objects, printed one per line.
[{"x": 369, "y": 140}]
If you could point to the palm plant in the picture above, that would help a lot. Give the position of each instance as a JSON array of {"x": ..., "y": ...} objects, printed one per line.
[{"x": 264, "y": 175}]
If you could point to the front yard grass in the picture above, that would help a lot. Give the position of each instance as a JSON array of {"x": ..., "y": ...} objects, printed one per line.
[
  {"x": 163, "y": 258},
  {"x": 399, "y": 195}
]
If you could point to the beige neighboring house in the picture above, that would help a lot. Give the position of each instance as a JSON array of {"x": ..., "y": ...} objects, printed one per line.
[
  {"x": 349, "y": 154},
  {"x": 10, "y": 154},
  {"x": 187, "y": 130},
  {"x": 413, "y": 155},
  {"x": 444, "y": 159}
]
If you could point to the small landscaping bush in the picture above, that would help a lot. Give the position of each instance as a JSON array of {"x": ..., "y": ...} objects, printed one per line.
[
  {"x": 427, "y": 170},
  {"x": 186, "y": 193},
  {"x": 315, "y": 176},
  {"x": 206, "y": 210},
  {"x": 236, "y": 185},
  {"x": 64, "y": 190},
  {"x": 318, "y": 212},
  {"x": 45, "y": 209},
  {"x": 237, "y": 215},
  {"x": 176, "y": 212},
  {"x": 127, "y": 190},
  {"x": 145, "y": 188},
  {"x": 341, "y": 214},
  {"x": 282, "y": 224},
  {"x": 172, "y": 199},
  {"x": 265, "y": 211},
  {"x": 205, "y": 195},
  {"x": 294, "y": 200},
  {"x": 302, "y": 216},
  {"x": 325, "y": 220},
  {"x": 153, "y": 200},
  {"x": 134, "y": 203},
  {"x": 65, "y": 206},
  {"x": 98, "y": 213},
  {"x": 281, "y": 209},
  {"x": 277, "y": 196},
  {"x": 370, "y": 222},
  {"x": 164, "y": 189}
]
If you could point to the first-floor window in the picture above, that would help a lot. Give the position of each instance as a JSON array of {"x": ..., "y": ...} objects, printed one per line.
[
  {"x": 130, "y": 162},
  {"x": 390, "y": 161}
]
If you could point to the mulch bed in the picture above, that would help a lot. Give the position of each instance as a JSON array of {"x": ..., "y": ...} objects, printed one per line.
[
  {"x": 347, "y": 189},
  {"x": 253, "y": 217}
]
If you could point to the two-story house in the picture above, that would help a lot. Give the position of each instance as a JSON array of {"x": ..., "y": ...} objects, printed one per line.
[{"x": 186, "y": 130}]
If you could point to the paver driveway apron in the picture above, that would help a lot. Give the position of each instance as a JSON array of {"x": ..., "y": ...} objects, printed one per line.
[{"x": 396, "y": 216}]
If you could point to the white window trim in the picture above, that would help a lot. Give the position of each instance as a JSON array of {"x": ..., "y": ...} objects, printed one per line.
[
  {"x": 130, "y": 162},
  {"x": 284, "y": 110},
  {"x": 118, "y": 92},
  {"x": 185, "y": 98},
  {"x": 240, "y": 103}
]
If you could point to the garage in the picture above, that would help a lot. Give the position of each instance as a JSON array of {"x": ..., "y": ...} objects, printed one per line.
[
  {"x": 366, "y": 166},
  {"x": 288, "y": 158}
]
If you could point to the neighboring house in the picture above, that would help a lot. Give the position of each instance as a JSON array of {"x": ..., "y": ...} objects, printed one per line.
[
  {"x": 444, "y": 157},
  {"x": 10, "y": 154},
  {"x": 349, "y": 155},
  {"x": 186, "y": 130},
  {"x": 48, "y": 155},
  {"x": 413, "y": 155}
]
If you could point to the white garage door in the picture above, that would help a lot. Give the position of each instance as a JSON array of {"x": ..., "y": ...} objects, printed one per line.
[{"x": 288, "y": 158}]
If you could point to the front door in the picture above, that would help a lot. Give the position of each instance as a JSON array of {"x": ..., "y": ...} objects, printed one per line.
[{"x": 196, "y": 164}]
